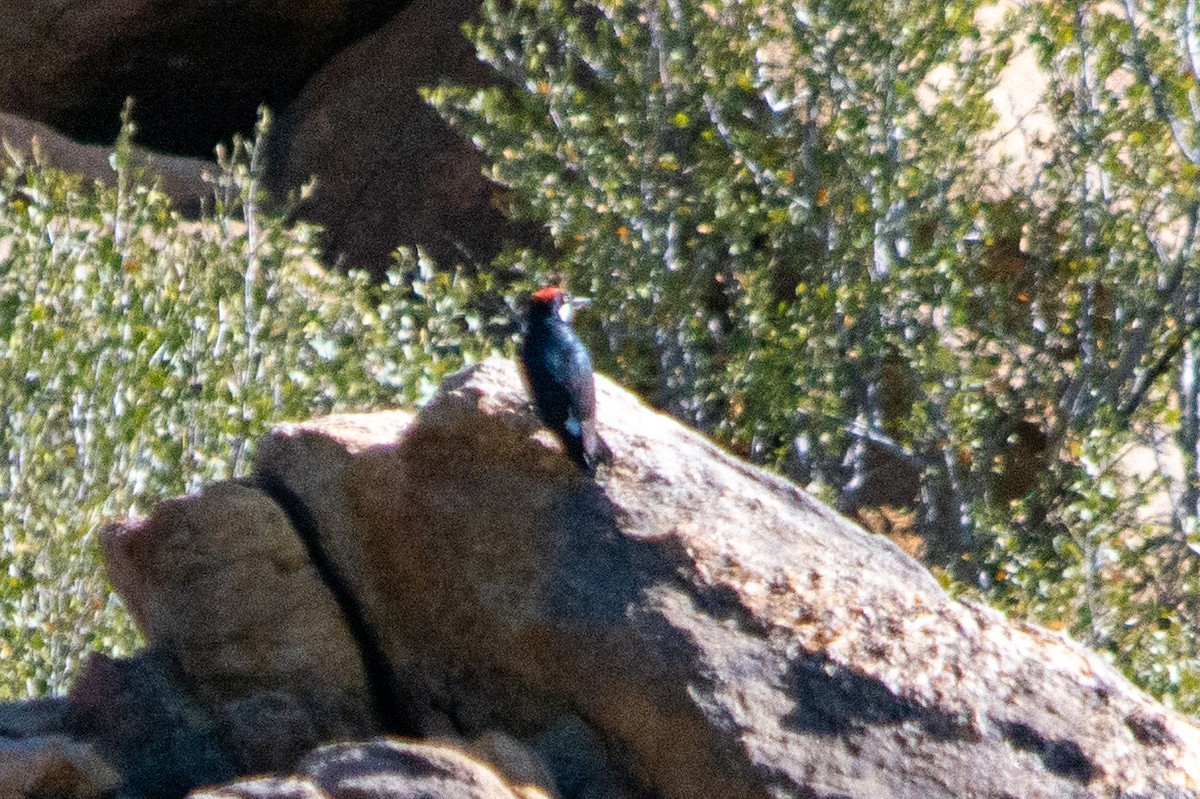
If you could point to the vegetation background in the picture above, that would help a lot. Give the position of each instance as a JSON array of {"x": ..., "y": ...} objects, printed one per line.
[{"x": 801, "y": 235}]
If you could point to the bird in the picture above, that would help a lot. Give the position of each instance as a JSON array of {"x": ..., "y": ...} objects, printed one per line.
[{"x": 558, "y": 370}]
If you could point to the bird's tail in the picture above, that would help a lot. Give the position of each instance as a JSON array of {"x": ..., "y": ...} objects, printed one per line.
[{"x": 592, "y": 450}]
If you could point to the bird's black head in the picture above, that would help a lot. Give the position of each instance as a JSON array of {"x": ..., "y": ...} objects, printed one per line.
[
  {"x": 547, "y": 303},
  {"x": 551, "y": 304}
]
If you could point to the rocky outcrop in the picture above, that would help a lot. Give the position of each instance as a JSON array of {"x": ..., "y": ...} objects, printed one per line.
[
  {"x": 198, "y": 70},
  {"x": 684, "y": 626},
  {"x": 722, "y": 631},
  {"x": 221, "y": 581}
]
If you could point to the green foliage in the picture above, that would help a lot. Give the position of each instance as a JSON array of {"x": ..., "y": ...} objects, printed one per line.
[
  {"x": 764, "y": 207},
  {"x": 142, "y": 356},
  {"x": 1114, "y": 249},
  {"x": 770, "y": 209},
  {"x": 789, "y": 220}
]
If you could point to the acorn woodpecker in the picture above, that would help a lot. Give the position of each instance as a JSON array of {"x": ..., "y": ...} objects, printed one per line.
[{"x": 559, "y": 372}]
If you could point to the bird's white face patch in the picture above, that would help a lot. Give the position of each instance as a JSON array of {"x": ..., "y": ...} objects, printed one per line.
[{"x": 566, "y": 311}]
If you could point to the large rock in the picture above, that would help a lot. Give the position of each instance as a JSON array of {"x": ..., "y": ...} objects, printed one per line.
[
  {"x": 198, "y": 70},
  {"x": 250, "y": 664},
  {"x": 187, "y": 181},
  {"x": 389, "y": 170},
  {"x": 686, "y": 626},
  {"x": 221, "y": 582},
  {"x": 721, "y": 633},
  {"x": 140, "y": 715},
  {"x": 53, "y": 766}
]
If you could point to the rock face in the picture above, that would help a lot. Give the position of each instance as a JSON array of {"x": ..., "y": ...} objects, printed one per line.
[
  {"x": 198, "y": 70},
  {"x": 685, "y": 626},
  {"x": 723, "y": 632},
  {"x": 222, "y": 583},
  {"x": 389, "y": 170}
]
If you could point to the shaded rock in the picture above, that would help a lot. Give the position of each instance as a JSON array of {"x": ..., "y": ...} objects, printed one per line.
[
  {"x": 718, "y": 631},
  {"x": 577, "y": 760},
  {"x": 198, "y": 70},
  {"x": 34, "y": 717},
  {"x": 140, "y": 717},
  {"x": 386, "y": 769},
  {"x": 519, "y": 764},
  {"x": 185, "y": 180},
  {"x": 389, "y": 170},
  {"x": 53, "y": 766},
  {"x": 270, "y": 731}
]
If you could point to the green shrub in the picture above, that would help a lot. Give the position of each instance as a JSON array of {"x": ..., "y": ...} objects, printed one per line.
[{"x": 142, "y": 356}]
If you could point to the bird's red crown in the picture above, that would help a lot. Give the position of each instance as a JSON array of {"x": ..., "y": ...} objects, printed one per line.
[{"x": 547, "y": 294}]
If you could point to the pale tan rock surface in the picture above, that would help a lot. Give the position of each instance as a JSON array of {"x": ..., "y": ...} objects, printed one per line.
[{"x": 222, "y": 582}]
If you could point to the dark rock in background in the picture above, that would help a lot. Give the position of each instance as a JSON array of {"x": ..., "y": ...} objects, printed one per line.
[
  {"x": 197, "y": 69},
  {"x": 389, "y": 169},
  {"x": 341, "y": 75}
]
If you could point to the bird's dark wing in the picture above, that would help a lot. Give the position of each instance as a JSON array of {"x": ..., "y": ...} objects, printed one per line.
[
  {"x": 580, "y": 386},
  {"x": 559, "y": 372}
]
